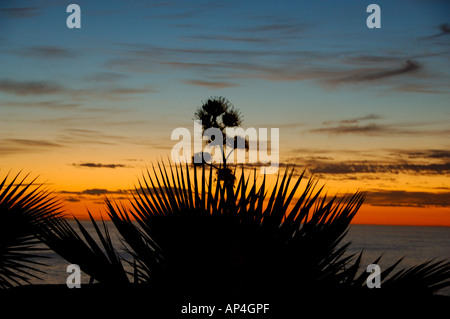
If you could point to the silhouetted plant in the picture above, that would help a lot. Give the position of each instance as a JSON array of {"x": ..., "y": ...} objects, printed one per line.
[
  {"x": 98, "y": 259},
  {"x": 190, "y": 237},
  {"x": 24, "y": 206},
  {"x": 219, "y": 113},
  {"x": 189, "y": 230},
  {"x": 187, "y": 234}
]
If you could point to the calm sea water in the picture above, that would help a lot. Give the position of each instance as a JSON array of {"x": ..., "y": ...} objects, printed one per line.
[{"x": 414, "y": 244}]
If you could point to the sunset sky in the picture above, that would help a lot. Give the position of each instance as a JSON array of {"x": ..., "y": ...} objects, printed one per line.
[{"x": 88, "y": 109}]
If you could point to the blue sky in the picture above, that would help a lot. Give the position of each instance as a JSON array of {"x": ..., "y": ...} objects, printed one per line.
[{"x": 340, "y": 93}]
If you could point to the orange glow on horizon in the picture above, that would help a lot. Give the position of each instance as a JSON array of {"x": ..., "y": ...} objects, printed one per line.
[
  {"x": 367, "y": 214},
  {"x": 83, "y": 190},
  {"x": 412, "y": 216}
]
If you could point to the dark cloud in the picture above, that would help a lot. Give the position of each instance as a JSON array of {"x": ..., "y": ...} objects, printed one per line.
[
  {"x": 234, "y": 39},
  {"x": 107, "y": 77},
  {"x": 71, "y": 136},
  {"x": 210, "y": 84},
  {"x": 7, "y": 150},
  {"x": 283, "y": 65},
  {"x": 125, "y": 91},
  {"x": 145, "y": 51},
  {"x": 99, "y": 165},
  {"x": 46, "y": 52},
  {"x": 374, "y": 74},
  {"x": 369, "y": 167},
  {"x": 96, "y": 192},
  {"x": 19, "y": 145},
  {"x": 319, "y": 158},
  {"x": 369, "y": 117},
  {"x": 24, "y": 88},
  {"x": 427, "y": 154},
  {"x": 42, "y": 104},
  {"x": 370, "y": 59},
  {"x": 406, "y": 198},
  {"x": 20, "y": 12},
  {"x": 29, "y": 143},
  {"x": 421, "y": 88},
  {"x": 356, "y": 120},
  {"x": 445, "y": 30},
  {"x": 30, "y": 87},
  {"x": 212, "y": 61},
  {"x": 369, "y": 129},
  {"x": 375, "y": 129},
  {"x": 278, "y": 28},
  {"x": 31, "y": 184}
]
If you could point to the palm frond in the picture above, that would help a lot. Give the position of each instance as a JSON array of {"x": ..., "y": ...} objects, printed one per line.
[
  {"x": 98, "y": 259},
  {"x": 190, "y": 227},
  {"x": 425, "y": 278},
  {"x": 24, "y": 205},
  {"x": 191, "y": 231}
]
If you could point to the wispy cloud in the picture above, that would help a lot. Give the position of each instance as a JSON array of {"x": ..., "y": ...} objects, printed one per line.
[
  {"x": 374, "y": 167},
  {"x": 20, "y": 12},
  {"x": 25, "y": 88},
  {"x": 210, "y": 84},
  {"x": 407, "y": 198},
  {"x": 445, "y": 30},
  {"x": 438, "y": 88},
  {"x": 45, "y": 52},
  {"x": 74, "y": 136},
  {"x": 291, "y": 28},
  {"x": 374, "y": 129},
  {"x": 357, "y": 126},
  {"x": 425, "y": 154},
  {"x": 10, "y": 146},
  {"x": 92, "y": 194},
  {"x": 72, "y": 199},
  {"x": 265, "y": 62},
  {"x": 228, "y": 38},
  {"x": 370, "y": 59},
  {"x": 369, "y": 117},
  {"x": 364, "y": 75},
  {"x": 8, "y": 150},
  {"x": 107, "y": 77},
  {"x": 100, "y": 165},
  {"x": 33, "y": 143},
  {"x": 122, "y": 91},
  {"x": 43, "y": 104},
  {"x": 369, "y": 129},
  {"x": 372, "y": 164},
  {"x": 96, "y": 192}
]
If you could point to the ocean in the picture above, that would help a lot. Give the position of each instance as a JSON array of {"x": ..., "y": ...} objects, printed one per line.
[{"x": 415, "y": 244}]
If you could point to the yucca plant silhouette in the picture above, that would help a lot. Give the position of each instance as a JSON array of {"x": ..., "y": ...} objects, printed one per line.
[
  {"x": 216, "y": 115},
  {"x": 24, "y": 206}
]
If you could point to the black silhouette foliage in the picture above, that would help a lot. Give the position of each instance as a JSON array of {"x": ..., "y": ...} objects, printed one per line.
[{"x": 24, "y": 206}]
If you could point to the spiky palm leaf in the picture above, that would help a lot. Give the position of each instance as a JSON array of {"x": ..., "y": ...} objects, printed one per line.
[
  {"x": 99, "y": 259},
  {"x": 189, "y": 229},
  {"x": 23, "y": 207},
  {"x": 189, "y": 234},
  {"x": 425, "y": 278}
]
